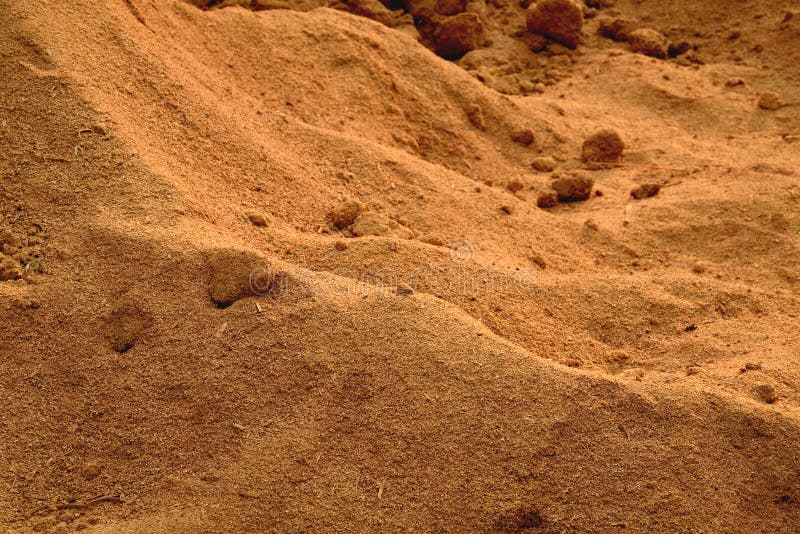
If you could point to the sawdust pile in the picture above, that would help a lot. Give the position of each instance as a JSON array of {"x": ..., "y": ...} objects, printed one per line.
[{"x": 445, "y": 265}]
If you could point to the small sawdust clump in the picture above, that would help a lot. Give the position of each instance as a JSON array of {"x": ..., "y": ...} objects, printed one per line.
[
  {"x": 346, "y": 213},
  {"x": 547, "y": 199},
  {"x": 372, "y": 9},
  {"x": 455, "y": 36},
  {"x": 256, "y": 218},
  {"x": 476, "y": 117},
  {"x": 371, "y": 223},
  {"x": 127, "y": 323},
  {"x": 603, "y": 146},
  {"x": 544, "y": 164},
  {"x": 648, "y": 42},
  {"x": 645, "y": 191},
  {"x": 9, "y": 269},
  {"x": 573, "y": 187},
  {"x": 523, "y": 136},
  {"x": 559, "y": 20},
  {"x": 617, "y": 29},
  {"x": 770, "y": 101},
  {"x": 235, "y": 274},
  {"x": 766, "y": 393},
  {"x": 515, "y": 185}
]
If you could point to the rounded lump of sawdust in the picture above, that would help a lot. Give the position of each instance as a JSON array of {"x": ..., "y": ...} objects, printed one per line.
[
  {"x": 617, "y": 28},
  {"x": 559, "y": 20},
  {"x": 9, "y": 268},
  {"x": 547, "y": 199},
  {"x": 476, "y": 116},
  {"x": 457, "y": 35},
  {"x": 371, "y": 223},
  {"x": 523, "y": 136},
  {"x": 346, "y": 213},
  {"x": 235, "y": 274},
  {"x": 515, "y": 185},
  {"x": 573, "y": 187},
  {"x": 603, "y": 146},
  {"x": 544, "y": 164},
  {"x": 648, "y": 42},
  {"x": 770, "y": 101},
  {"x": 256, "y": 218},
  {"x": 126, "y": 324},
  {"x": 645, "y": 191},
  {"x": 372, "y": 9},
  {"x": 765, "y": 393}
]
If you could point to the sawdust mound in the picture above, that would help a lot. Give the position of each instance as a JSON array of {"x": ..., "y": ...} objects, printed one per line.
[{"x": 512, "y": 369}]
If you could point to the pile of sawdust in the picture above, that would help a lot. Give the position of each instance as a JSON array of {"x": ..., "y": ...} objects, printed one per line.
[{"x": 287, "y": 269}]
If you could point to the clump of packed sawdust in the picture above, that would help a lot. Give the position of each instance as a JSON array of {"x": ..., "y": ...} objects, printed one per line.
[
  {"x": 544, "y": 164},
  {"x": 572, "y": 187},
  {"x": 645, "y": 191},
  {"x": 515, "y": 185},
  {"x": 649, "y": 42},
  {"x": 9, "y": 268},
  {"x": 560, "y": 20},
  {"x": 346, "y": 213},
  {"x": 457, "y": 35},
  {"x": 770, "y": 101},
  {"x": 603, "y": 146},
  {"x": 524, "y": 136},
  {"x": 616, "y": 28},
  {"x": 127, "y": 322},
  {"x": 234, "y": 274},
  {"x": 547, "y": 199},
  {"x": 257, "y": 218}
]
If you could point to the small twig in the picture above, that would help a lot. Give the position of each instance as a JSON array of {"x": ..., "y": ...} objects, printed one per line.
[
  {"x": 77, "y": 506},
  {"x": 97, "y": 500}
]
